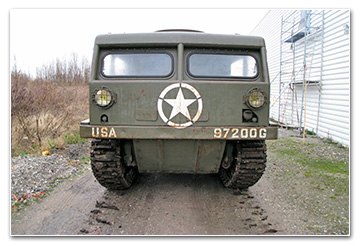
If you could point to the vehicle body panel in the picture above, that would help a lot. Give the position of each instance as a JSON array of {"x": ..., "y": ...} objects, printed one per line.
[{"x": 215, "y": 110}]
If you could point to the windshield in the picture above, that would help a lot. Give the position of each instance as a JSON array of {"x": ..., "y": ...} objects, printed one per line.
[
  {"x": 222, "y": 65},
  {"x": 137, "y": 65}
]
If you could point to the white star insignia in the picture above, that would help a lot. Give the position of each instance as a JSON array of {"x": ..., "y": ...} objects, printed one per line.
[{"x": 180, "y": 105}]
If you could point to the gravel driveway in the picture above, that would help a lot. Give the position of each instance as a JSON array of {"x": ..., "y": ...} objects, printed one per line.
[{"x": 33, "y": 177}]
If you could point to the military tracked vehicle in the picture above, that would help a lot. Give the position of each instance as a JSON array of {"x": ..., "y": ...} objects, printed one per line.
[{"x": 178, "y": 101}]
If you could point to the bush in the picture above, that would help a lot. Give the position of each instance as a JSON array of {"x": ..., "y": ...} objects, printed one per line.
[{"x": 42, "y": 112}]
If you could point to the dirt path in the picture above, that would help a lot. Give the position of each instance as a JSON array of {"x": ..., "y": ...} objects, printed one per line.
[
  {"x": 163, "y": 204},
  {"x": 160, "y": 204},
  {"x": 62, "y": 212},
  {"x": 288, "y": 200}
]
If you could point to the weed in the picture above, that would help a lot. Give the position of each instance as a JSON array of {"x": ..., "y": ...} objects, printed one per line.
[
  {"x": 52, "y": 144},
  {"x": 312, "y": 133},
  {"x": 22, "y": 153},
  {"x": 308, "y": 174},
  {"x": 73, "y": 138},
  {"x": 85, "y": 160},
  {"x": 328, "y": 141}
]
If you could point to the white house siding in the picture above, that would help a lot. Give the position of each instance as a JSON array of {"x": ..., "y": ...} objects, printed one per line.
[{"x": 328, "y": 71}]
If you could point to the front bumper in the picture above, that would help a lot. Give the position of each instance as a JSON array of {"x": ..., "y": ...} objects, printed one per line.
[{"x": 166, "y": 132}]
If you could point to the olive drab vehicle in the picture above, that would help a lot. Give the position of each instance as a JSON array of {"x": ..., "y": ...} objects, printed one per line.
[{"x": 178, "y": 101}]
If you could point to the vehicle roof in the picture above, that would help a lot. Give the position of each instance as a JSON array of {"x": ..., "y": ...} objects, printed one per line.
[{"x": 170, "y": 38}]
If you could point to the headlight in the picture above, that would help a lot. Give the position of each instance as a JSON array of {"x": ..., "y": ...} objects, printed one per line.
[
  {"x": 256, "y": 98},
  {"x": 103, "y": 97}
]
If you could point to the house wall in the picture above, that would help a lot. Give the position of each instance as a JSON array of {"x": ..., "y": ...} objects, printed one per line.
[{"x": 327, "y": 72}]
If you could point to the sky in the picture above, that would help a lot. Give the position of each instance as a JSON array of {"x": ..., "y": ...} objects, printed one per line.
[{"x": 40, "y": 36}]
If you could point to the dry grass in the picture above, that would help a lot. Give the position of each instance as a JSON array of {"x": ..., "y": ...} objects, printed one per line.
[{"x": 42, "y": 112}]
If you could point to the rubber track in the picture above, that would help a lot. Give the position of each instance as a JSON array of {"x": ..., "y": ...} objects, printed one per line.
[
  {"x": 108, "y": 165},
  {"x": 249, "y": 162}
]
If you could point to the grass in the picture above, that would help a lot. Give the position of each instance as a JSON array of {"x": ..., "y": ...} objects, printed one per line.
[
  {"x": 320, "y": 165},
  {"x": 317, "y": 177},
  {"x": 312, "y": 157},
  {"x": 317, "y": 162}
]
